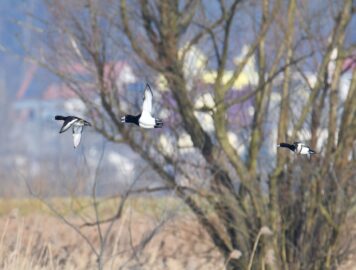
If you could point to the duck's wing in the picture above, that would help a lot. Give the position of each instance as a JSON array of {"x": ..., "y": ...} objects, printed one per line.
[
  {"x": 60, "y": 117},
  {"x": 147, "y": 100},
  {"x": 67, "y": 124},
  {"x": 287, "y": 145},
  {"x": 77, "y": 135}
]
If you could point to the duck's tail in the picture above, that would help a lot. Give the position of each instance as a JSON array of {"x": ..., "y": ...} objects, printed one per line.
[{"x": 311, "y": 151}]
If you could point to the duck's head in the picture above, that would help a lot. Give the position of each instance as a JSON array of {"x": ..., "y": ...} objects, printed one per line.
[{"x": 85, "y": 123}]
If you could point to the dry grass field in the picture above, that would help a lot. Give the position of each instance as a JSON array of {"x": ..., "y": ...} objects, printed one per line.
[{"x": 32, "y": 237}]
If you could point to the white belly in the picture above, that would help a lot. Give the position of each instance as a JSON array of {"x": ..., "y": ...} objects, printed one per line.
[
  {"x": 147, "y": 121},
  {"x": 304, "y": 151}
]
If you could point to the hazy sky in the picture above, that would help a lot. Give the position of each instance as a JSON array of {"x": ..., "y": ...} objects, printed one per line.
[{"x": 15, "y": 32}]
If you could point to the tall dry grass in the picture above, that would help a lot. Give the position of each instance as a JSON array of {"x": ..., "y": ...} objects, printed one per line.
[
  {"x": 33, "y": 238},
  {"x": 38, "y": 240}
]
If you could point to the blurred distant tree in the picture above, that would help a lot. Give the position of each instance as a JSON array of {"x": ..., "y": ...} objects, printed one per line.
[{"x": 304, "y": 203}]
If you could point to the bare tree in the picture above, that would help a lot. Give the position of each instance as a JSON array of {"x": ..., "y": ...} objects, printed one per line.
[
  {"x": 304, "y": 203},
  {"x": 90, "y": 214}
]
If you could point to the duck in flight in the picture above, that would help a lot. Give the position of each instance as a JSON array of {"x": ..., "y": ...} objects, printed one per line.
[
  {"x": 298, "y": 148},
  {"x": 145, "y": 118},
  {"x": 77, "y": 125}
]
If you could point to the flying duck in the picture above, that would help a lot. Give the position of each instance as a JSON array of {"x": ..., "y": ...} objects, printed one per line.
[
  {"x": 145, "y": 118},
  {"x": 77, "y": 125},
  {"x": 298, "y": 148}
]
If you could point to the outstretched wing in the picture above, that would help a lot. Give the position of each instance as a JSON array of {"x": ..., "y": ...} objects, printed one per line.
[
  {"x": 287, "y": 145},
  {"x": 77, "y": 135},
  {"x": 68, "y": 123},
  {"x": 147, "y": 100}
]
